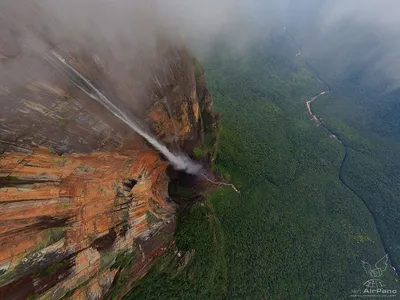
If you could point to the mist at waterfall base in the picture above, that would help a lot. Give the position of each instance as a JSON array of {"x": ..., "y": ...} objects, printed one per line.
[{"x": 179, "y": 161}]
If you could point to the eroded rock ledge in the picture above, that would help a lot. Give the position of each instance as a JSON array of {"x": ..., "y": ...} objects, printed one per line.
[
  {"x": 84, "y": 200},
  {"x": 65, "y": 219}
]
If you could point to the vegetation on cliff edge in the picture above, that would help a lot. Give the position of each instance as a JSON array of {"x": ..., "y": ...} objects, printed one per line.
[{"x": 295, "y": 231}]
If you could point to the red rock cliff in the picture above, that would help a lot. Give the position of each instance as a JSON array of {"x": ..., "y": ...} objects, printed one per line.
[{"x": 82, "y": 196}]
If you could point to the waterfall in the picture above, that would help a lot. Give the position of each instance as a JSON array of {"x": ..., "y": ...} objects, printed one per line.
[{"x": 179, "y": 161}]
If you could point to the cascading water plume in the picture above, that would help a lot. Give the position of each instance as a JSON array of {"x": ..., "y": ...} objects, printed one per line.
[{"x": 179, "y": 161}]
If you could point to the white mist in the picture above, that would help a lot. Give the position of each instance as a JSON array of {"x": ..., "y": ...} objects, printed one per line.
[{"x": 179, "y": 161}]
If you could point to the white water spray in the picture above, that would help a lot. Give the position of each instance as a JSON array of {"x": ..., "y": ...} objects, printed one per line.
[{"x": 179, "y": 161}]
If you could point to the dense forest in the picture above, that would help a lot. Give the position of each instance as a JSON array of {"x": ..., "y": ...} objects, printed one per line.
[
  {"x": 295, "y": 231},
  {"x": 365, "y": 114}
]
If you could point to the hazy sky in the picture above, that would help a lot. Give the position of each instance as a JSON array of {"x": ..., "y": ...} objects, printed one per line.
[
  {"x": 338, "y": 29},
  {"x": 348, "y": 33}
]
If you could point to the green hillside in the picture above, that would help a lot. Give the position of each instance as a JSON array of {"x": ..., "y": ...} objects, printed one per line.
[{"x": 295, "y": 231}]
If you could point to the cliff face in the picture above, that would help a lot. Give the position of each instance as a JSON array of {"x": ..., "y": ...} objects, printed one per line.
[{"x": 84, "y": 199}]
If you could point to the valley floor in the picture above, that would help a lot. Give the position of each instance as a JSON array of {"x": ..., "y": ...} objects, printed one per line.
[{"x": 295, "y": 231}]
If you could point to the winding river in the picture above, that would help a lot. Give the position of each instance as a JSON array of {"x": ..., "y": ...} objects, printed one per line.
[{"x": 346, "y": 147}]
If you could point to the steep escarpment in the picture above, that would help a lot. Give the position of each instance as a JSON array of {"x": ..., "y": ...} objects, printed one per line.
[
  {"x": 68, "y": 217},
  {"x": 84, "y": 201}
]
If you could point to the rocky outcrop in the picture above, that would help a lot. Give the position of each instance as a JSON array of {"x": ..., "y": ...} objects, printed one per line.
[
  {"x": 83, "y": 199},
  {"x": 76, "y": 213}
]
